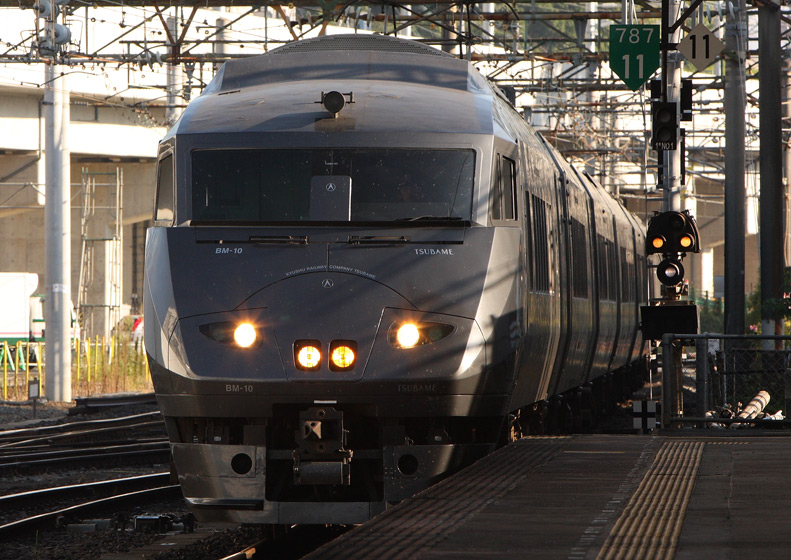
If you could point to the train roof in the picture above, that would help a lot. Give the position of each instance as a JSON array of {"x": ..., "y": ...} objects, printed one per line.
[{"x": 395, "y": 85}]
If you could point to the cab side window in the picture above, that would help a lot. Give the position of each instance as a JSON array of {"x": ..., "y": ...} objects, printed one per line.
[
  {"x": 503, "y": 203},
  {"x": 163, "y": 212}
]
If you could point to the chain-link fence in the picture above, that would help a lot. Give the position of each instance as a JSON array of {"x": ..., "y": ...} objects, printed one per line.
[{"x": 712, "y": 380}]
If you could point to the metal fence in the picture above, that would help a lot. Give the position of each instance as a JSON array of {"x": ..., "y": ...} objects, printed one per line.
[
  {"x": 98, "y": 365},
  {"x": 713, "y": 379}
]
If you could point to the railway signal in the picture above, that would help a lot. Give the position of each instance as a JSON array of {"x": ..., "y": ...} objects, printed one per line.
[
  {"x": 664, "y": 117},
  {"x": 672, "y": 232},
  {"x": 673, "y": 235}
]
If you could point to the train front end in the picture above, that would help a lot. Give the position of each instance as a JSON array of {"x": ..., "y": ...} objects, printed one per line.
[{"x": 325, "y": 328}]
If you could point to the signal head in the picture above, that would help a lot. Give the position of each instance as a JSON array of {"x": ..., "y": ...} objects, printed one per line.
[
  {"x": 664, "y": 125},
  {"x": 672, "y": 232}
]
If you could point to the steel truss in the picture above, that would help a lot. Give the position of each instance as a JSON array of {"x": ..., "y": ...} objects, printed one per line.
[{"x": 552, "y": 51}]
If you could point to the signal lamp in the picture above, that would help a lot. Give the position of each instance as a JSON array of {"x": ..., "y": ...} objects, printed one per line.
[
  {"x": 244, "y": 335},
  {"x": 307, "y": 355},
  {"x": 685, "y": 241},
  {"x": 342, "y": 355},
  {"x": 670, "y": 272},
  {"x": 408, "y": 335},
  {"x": 658, "y": 242}
]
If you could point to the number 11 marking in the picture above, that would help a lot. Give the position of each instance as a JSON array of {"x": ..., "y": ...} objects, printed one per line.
[
  {"x": 626, "y": 59},
  {"x": 693, "y": 38}
]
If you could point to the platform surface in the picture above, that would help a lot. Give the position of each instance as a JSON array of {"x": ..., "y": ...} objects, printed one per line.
[{"x": 683, "y": 496}]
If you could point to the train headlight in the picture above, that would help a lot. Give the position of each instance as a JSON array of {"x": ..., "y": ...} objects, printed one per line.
[
  {"x": 307, "y": 355},
  {"x": 244, "y": 335},
  {"x": 342, "y": 355},
  {"x": 410, "y": 334},
  {"x": 407, "y": 335}
]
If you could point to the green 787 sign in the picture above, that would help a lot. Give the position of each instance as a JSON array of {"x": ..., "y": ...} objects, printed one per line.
[{"x": 634, "y": 53}]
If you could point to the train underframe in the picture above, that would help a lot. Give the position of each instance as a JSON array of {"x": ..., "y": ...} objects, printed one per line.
[
  {"x": 318, "y": 464},
  {"x": 325, "y": 462}
]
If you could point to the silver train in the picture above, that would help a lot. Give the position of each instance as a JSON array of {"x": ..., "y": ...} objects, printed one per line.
[{"x": 365, "y": 269}]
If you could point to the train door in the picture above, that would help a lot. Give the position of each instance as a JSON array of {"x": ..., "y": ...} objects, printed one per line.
[
  {"x": 580, "y": 328},
  {"x": 507, "y": 262},
  {"x": 539, "y": 342},
  {"x": 564, "y": 277},
  {"x": 614, "y": 273}
]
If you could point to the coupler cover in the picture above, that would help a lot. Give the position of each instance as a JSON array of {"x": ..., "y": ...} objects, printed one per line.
[{"x": 321, "y": 456}]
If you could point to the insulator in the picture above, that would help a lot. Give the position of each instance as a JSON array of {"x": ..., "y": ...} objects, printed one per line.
[
  {"x": 62, "y": 34},
  {"x": 44, "y": 8}
]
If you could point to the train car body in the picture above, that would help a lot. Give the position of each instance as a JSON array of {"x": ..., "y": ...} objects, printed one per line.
[{"x": 425, "y": 200}]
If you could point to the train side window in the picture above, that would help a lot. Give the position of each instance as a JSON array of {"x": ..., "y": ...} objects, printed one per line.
[
  {"x": 641, "y": 282},
  {"x": 508, "y": 181},
  {"x": 503, "y": 203},
  {"x": 529, "y": 242},
  {"x": 627, "y": 276},
  {"x": 612, "y": 265},
  {"x": 605, "y": 291},
  {"x": 497, "y": 192},
  {"x": 579, "y": 258},
  {"x": 540, "y": 245},
  {"x": 164, "y": 200}
]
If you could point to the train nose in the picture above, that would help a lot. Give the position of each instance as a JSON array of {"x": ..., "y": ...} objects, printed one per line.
[{"x": 325, "y": 323}]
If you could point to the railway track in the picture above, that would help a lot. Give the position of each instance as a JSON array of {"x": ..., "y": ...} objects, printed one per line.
[
  {"x": 45, "y": 495},
  {"x": 146, "y": 452},
  {"x": 49, "y": 519},
  {"x": 137, "y": 438},
  {"x": 82, "y": 430}
]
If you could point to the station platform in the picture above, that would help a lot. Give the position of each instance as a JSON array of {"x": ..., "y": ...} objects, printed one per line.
[{"x": 697, "y": 495}]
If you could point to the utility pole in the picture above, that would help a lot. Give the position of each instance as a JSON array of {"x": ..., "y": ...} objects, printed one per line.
[
  {"x": 786, "y": 103},
  {"x": 771, "y": 154},
  {"x": 735, "y": 39},
  {"x": 57, "y": 214},
  {"x": 671, "y": 92},
  {"x": 174, "y": 72}
]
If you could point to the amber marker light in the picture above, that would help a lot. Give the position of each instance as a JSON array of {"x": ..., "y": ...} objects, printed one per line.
[
  {"x": 244, "y": 335},
  {"x": 408, "y": 335},
  {"x": 342, "y": 357},
  {"x": 685, "y": 241},
  {"x": 309, "y": 357},
  {"x": 658, "y": 242}
]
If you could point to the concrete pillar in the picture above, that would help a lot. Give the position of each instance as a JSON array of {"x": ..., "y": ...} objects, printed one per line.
[{"x": 57, "y": 216}]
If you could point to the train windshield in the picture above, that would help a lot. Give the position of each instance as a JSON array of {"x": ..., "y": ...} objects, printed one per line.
[{"x": 350, "y": 184}]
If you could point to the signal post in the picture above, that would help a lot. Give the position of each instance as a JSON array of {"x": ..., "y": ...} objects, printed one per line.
[{"x": 636, "y": 51}]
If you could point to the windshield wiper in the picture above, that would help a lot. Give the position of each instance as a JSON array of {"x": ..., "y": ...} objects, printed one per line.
[
  {"x": 279, "y": 239},
  {"x": 430, "y": 219},
  {"x": 377, "y": 240}
]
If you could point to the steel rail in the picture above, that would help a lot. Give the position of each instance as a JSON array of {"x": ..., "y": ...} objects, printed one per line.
[
  {"x": 94, "y": 455},
  {"x": 80, "y": 434},
  {"x": 7, "y": 436},
  {"x": 49, "y": 518},
  {"x": 115, "y": 484}
]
